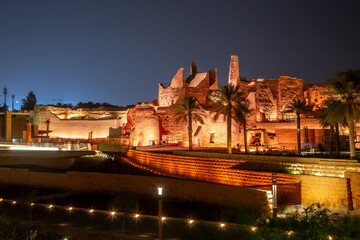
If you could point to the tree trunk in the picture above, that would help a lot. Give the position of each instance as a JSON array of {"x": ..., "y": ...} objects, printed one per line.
[
  {"x": 298, "y": 133},
  {"x": 331, "y": 149},
  {"x": 229, "y": 131},
  {"x": 337, "y": 140},
  {"x": 245, "y": 136},
  {"x": 352, "y": 137},
  {"x": 190, "y": 132}
]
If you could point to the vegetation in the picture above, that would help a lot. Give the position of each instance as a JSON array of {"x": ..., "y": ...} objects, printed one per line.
[
  {"x": 345, "y": 87},
  {"x": 331, "y": 116},
  {"x": 298, "y": 107},
  {"x": 29, "y": 102},
  {"x": 313, "y": 223},
  {"x": 189, "y": 110},
  {"x": 231, "y": 104}
]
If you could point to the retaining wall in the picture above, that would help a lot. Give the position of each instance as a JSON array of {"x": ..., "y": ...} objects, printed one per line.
[
  {"x": 105, "y": 183},
  {"x": 329, "y": 191}
]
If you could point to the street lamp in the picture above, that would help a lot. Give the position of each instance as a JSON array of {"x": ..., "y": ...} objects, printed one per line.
[
  {"x": 274, "y": 193},
  {"x": 160, "y": 192}
]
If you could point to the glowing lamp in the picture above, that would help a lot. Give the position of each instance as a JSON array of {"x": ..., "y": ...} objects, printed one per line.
[
  {"x": 137, "y": 215},
  {"x": 160, "y": 191},
  {"x": 330, "y": 238},
  {"x": 1, "y": 199},
  {"x": 13, "y": 202},
  {"x": 32, "y": 204},
  {"x": 163, "y": 218},
  {"x": 222, "y": 225},
  {"x": 91, "y": 210},
  {"x": 191, "y": 221},
  {"x": 253, "y": 229},
  {"x": 112, "y": 213},
  {"x": 50, "y": 206},
  {"x": 70, "y": 208}
]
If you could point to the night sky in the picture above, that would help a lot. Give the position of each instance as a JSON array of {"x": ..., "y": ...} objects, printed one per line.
[{"x": 118, "y": 51}]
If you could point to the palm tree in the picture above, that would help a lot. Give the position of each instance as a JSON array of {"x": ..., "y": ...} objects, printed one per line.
[
  {"x": 230, "y": 103},
  {"x": 189, "y": 110},
  {"x": 331, "y": 116},
  {"x": 241, "y": 116},
  {"x": 298, "y": 107},
  {"x": 346, "y": 88}
]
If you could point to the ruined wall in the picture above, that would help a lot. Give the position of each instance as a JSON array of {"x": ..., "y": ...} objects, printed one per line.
[
  {"x": 74, "y": 128},
  {"x": 169, "y": 129},
  {"x": 317, "y": 95},
  {"x": 147, "y": 128},
  {"x": 169, "y": 95},
  {"x": 68, "y": 113},
  {"x": 265, "y": 101}
]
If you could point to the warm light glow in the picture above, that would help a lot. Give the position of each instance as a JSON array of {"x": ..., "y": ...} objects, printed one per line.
[
  {"x": 32, "y": 204},
  {"x": 253, "y": 229},
  {"x": 137, "y": 215},
  {"x": 1, "y": 199},
  {"x": 112, "y": 213},
  {"x": 50, "y": 206},
  {"x": 70, "y": 208},
  {"x": 289, "y": 232},
  {"x": 191, "y": 221},
  {"x": 222, "y": 225},
  {"x": 91, "y": 210},
  {"x": 160, "y": 191},
  {"x": 13, "y": 202},
  {"x": 163, "y": 218},
  {"x": 330, "y": 237}
]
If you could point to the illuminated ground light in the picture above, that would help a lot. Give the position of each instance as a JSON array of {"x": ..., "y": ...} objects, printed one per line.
[
  {"x": 289, "y": 233},
  {"x": 13, "y": 202},
  {"x": 112, "y": 213},
  {"x": 91, "y": 210},
  {"x": 32, "y": 204},
  {"x": 70, "y": 208},
  {"x": 137, "y": 215},
  {"x": 330, "y": 237},
  {"x": 163, "y": 218},
  {"x": 50, "y": 206},
  {"x": 191, "y": 221},
  {"x": 1, "y": 199},
  {"x": 222, "y": 225},
  {"x": 253, "y": 229}
]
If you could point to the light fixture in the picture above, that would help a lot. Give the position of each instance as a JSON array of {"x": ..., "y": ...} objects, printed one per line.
[{"x": 160, "y": 191}]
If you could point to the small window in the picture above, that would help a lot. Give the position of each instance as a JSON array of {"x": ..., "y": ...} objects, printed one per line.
[{"x": 212, "y": 137}]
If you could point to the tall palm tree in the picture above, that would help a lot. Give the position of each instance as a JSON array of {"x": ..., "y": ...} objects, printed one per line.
[
  {"x": 346, "y": 88},
  {"x": 331, "y": 116},
  {"x": 298, "y": 107},
  {"x": 189, "y": 110},
  {"x": 231, "y": 104},
  {"x": 241, "y": 116}
]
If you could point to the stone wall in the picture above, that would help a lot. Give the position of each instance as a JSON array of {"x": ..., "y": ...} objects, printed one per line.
[
  {"x": 354, "y": 178},
  {"x": 91, "y": 182},
  {"x": 329, "y": 191},
  {"x": 64, "y": 128}
]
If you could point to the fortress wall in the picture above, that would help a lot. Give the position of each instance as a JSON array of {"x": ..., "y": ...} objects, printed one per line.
[
  {"x": 329, "y": 191},
  {"x": 91, "y": 182}
]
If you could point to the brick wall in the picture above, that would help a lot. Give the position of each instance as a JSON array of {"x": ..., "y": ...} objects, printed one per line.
[{"x": 329, "y": 191}]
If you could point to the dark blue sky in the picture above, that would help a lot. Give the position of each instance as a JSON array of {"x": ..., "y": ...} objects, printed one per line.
[{"x": 118, "y": 51}]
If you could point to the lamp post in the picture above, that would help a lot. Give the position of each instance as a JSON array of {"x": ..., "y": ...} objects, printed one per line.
[
  {"x": 274, "y": 193},
  {"x": 160, "y": 191}
]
